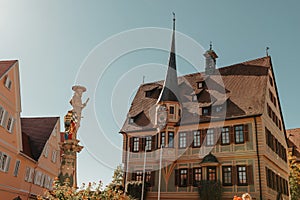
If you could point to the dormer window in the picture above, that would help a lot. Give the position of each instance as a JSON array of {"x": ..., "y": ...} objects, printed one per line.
[
  {"x": 148, "y": 93},
  {"x": 172, "y": 110},
  {"x": 8, "y": 83},
  {"x": 206, "y": 110},
  {"x": 194, "y": 98},
  {"x": 219, "y": 108},
  {"x": 131, "y": 120},
  {"x": 200, "y": 85}
]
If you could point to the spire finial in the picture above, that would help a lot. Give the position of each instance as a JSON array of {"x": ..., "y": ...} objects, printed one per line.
[
  {"x": 210, "y": 45},
  {"x": 267, "y": 51},
  {"x": 173, "y": 20}
]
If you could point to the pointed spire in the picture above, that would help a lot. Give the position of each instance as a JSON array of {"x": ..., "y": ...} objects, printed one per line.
[{"x": 170, "y": 88}]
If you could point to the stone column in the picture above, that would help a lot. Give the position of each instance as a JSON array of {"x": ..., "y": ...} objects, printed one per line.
[{"x": 70, "y": 146}]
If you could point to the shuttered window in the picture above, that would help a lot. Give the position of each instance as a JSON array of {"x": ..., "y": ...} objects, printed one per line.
[
  {"x": 225, "y": 136},
  {"x": 227, "y": 175}
]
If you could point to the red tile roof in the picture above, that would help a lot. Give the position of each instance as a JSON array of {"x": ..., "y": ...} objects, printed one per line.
[
  {"x": 35, "y": 133},
  {"x": 243, "y": 94},
  {"x": 5, "y": 65},
  {"x": 293, "y": 136}
]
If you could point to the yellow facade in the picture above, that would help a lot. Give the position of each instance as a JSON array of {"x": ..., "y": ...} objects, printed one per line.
[{"x": 20, "y": 174}]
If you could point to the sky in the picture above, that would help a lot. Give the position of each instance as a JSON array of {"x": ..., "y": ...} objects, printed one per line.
[{"x": 112, "y": 47}]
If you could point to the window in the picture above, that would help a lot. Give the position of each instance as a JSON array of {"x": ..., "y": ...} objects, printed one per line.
[
  {"x": 196, "y": 141},
  {"x": 8, "y": 82},
  {"x": 10, "y": 124},
  {"x": 138, "y": 176},
  {"x": 131, "y": 120},
  {"x": 183, "y": 173},
  {"x": 182, "y": 140},
  {"x": 206, "y": 111},
  {"x": 225, "y": 138},
  {"x": 54, "y": 156},
  {"x": 29, "y": 174},
  {"x": 239, "y": 134},
  {"x": 219, "y": 108},
  {"x": 46, "y": 150},
  {"x": 148, "y": 143},
  {"x": 148, "y": 176},
  {"x": 163, "y": 139},
  {"x": 135, "y": 144},
  {"x": 200, "y": 85},
  {"x": 4, "y": 162},
  {"x": 37, "y": 177},
  {"x": 148, "y": 93},
  {"x": 194, "y": 98},
  {"x": 171, "y": 139},
  {"x": 197, "y": 174},
  {"x": 227, "y": 175},
  {"x": 210, "y": 137},
  {"x": 3, "y": 115},
  {"x": 17, "y": 166},
  {"x": 211, "y": 173},
  {"x": 242, "y": 175},
  {"x": 172, "y": 110}
]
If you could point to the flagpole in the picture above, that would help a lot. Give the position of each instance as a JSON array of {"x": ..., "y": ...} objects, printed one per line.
[
  {"x": 159, "y": 176},
  {"x": 144, "y": 170},
  {"x": 127, "y": 165}
]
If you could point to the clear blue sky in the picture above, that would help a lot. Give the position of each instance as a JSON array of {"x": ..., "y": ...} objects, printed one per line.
[{"x": 56, "y": 40}]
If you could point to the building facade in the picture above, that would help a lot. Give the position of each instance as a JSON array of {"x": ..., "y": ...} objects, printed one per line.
[
  {"x": 222, "y": 125},
  {"x": 29, "y": 147}
]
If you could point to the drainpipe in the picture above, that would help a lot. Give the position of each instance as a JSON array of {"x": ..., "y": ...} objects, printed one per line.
[{"x": 258, "y": 160}]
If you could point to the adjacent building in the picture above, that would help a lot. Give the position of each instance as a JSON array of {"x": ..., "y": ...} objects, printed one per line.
[
  {"x": 222, "y": 125},
  {"x": 29, "y": 147},
  {"x": 294, "y": 142}
]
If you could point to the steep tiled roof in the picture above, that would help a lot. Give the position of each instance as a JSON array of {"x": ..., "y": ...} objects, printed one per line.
[
  {"x": 5, "y": 66},
  {"x": 241, "y": 87},
  {"x": 294, "y": 141},
  {"x": 35, "y": 133}
]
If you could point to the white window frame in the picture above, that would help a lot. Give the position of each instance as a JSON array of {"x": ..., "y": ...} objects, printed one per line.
[
  {"x": 210, "y": 137},
  {"x": 8, "y": 83},
  {"x": 10, "y": 124},
  {"x": 3, "y": 115},
  {"x": 54, "y": 156},
  {"x": 4, "y": 162},
  {"x": 17, "y": 166},
  {"x": 46, "y": 151},
  {"x": 182, "y": 139},
  {"x": 148, "y": 140}
]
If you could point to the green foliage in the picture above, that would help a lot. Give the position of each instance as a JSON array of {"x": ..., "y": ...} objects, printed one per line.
[
  {"x": 210, "y": 190},
  {"x": 294, "y": 178},
  {"x": 92, "y": 191}
]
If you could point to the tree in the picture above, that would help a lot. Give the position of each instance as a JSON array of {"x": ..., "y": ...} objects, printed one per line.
[
  {"x": 92, "y": 191},
  {"x": 294, "y": 178}
]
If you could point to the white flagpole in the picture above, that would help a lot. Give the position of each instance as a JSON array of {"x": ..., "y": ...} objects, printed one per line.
[
  {"x": 144, "y": 170},
  {"x": 127, "y": 164},
  {"x": 159, "y": 176}
]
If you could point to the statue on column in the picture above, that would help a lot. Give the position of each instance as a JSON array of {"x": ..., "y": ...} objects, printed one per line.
[
  {"x": 73, "y": 117},
  {"x": 70, "y": 147}
]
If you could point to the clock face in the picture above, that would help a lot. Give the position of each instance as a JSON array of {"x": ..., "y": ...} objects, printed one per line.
[{"x": 161, "y": 116}]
